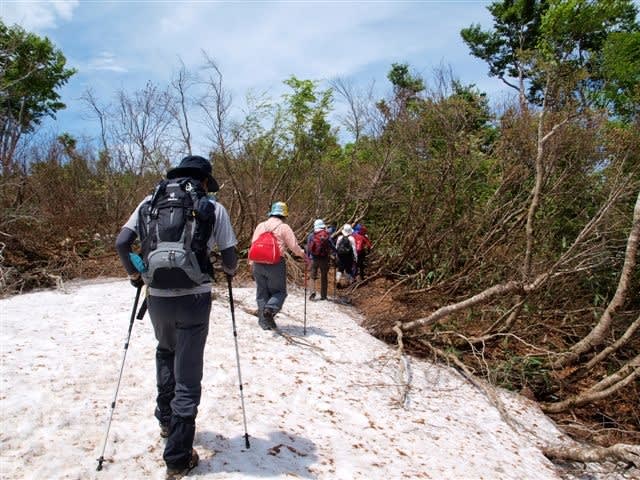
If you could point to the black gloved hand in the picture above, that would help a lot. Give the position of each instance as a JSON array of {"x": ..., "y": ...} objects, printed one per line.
[
  {"x": 136, "y": 280},
  {"x": 229, "y": 270}
]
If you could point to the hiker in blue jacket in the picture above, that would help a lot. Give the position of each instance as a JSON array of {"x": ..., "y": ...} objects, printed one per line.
[{"x": 180, "y": 319}]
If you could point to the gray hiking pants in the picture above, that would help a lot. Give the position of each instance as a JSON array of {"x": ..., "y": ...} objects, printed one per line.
[
  {"x": 322, "y": 264},
  {"x": 271, "y": 286},
  {"x": 181, "y": 325}
]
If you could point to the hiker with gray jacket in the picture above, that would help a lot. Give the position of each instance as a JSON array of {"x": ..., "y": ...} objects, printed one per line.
[{"x": 178, "y": 226}]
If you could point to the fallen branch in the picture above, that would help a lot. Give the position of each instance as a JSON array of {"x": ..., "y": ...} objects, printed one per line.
[
  {"x": 482, "y": 297},
  {"x": 597, "y": 334},
  {"x": 405, "y": 371},
  {"x": 614, "y": 346},
  {"x": 486, "y": 390},
  {"x": 580, "y": 453},
  {"x": 396, "y": 285},
  {"x": 600, "y": 391}
]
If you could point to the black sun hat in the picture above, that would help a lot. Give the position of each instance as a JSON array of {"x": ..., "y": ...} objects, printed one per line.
[{"x": 196, "y": 167}]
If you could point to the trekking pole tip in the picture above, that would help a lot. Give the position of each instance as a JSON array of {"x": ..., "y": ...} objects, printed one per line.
[
  {"x": 100, "y": 460},
  {"x": 246, "y": 440}
]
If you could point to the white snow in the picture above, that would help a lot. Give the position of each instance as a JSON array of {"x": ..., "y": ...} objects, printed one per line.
[{"x": 329, "y": 407}]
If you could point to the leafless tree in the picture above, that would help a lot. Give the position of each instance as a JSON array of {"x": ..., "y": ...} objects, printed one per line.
[{"x": 179, "y": 108}]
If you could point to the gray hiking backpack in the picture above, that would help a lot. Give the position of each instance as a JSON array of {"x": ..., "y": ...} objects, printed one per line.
[{"x": 174, "y": 228}]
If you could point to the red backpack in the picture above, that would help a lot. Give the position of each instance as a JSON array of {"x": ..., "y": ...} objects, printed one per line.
[
  {"x": 265, "y": 249},
  {"x": 362, "y": 242},
  {"x": 320, "y": 244},
  {"x": 359, "y": 242}
]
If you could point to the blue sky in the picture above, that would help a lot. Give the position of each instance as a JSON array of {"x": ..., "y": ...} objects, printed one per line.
[{"x": 123, "y": 44}]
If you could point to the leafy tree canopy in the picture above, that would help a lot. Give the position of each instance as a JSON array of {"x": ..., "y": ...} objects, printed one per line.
[
  {"x": 584, "y": 38},
  {"x": 509, "y": 44},
  {"x": 403, "y": 80},
  {"x": 32, "y": 70},
  {"x": 621, "y": 72}
]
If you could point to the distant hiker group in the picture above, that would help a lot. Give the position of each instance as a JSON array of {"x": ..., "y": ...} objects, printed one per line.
[
  {"x": 272, "y": 237},
  {"x": 349, "y": 251}
]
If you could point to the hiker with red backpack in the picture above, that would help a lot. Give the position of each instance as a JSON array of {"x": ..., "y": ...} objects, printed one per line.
[
  {"x": 269, "y": 242},
  {"x": 363, "y": 247},
  {"x": 347, "y": 255},
  {"x": 319, "y": 248}
]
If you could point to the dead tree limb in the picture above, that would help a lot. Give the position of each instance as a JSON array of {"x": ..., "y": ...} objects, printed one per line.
[
  {"x": 405, "y": 370},
  {"x": 486, "y": 390},
  {"x": 597, "y": 334},
  {"x": 601, "y": 390},
  {"x": 621, "y": 452},
  {"x": 618, "y": 376},
  {"x": 581, "y": 453},
  {"x": 483, "y": 297},
  {"x": 480, "y": 298},
  {"x": 615, "y": 345}
]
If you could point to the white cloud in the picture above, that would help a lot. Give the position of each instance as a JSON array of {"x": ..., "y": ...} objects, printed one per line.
[
  {"x": 37, "y": 15},
  {"x": 65, "y": 8},
  {"x": 257, "y": 45},
  {"x": 266, "y": 43},
  {"x": 105, "y": 61}
]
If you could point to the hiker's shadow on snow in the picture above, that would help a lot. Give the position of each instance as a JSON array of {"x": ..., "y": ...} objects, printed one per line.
[
  {"x": 280, "y": 453},
  {"x": 299, "y": 330}
]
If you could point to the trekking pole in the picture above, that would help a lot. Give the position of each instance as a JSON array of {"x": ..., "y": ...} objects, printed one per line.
[
  {"x": 235, "y": 339},
  {"x": 335, "y": 274},
  {"x": 143, "y": 309},
  {"x": 304, "y": 329},
  {"x": 115, "y": 397}
]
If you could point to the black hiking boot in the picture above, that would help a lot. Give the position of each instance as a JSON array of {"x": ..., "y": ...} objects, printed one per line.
[
  {"x": 312, "y": 296},
  {"x": 177, "y": 473},
  {"x": 268, "y": 323},
  {"x": 164, "y": 430}
]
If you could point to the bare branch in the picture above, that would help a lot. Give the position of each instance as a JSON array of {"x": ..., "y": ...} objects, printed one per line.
[
  {"x": 628, "y": 334},
  {"x": 596, "y": 336},
  {"x": 608, "y": 386}
]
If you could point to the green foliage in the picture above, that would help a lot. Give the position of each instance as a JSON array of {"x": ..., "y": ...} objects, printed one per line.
[
  {"x": 509, "y": 45},
  {"x": 515, "y": 372},
  {"x": 403, "y": 80},
  {"x": 621, "y": 73},
  {"x": 308, "y": 108},
  {"x": 579, "y": 42},
  {"x": 33, "y": 70}
]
